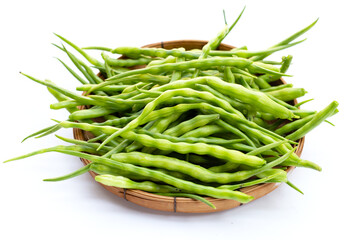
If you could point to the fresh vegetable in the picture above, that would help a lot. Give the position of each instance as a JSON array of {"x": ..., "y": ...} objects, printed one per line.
[{"x": 186, "y": 123}]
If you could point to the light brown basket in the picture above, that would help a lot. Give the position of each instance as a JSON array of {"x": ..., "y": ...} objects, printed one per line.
[{"x": 180, "y": 204}]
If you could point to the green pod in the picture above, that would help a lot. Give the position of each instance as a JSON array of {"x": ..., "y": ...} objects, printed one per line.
[
  {"x": 178, "y": 183},
  {"x": 168, "y": 59},
  {"x": 288, "y": 94},
  {"x": 262, "y": 83},
  {"x": 180, "y": 147},
  {"x": 105, "y": 169},
  {"x": 125, "y": 62},
  {"x": 289, "y": 127},
  {"x": 203, "y": 131},
  {"x": 280, "y": 177},
  {"x": 253, "y": 67},
  {"x": 275, "y": 177},
  {"x": 274, "y": 88},
  {"x": 159, "y": 126},
  {"x": 255, "y": 99},
  {"x": 195, "y": 171},
  {"x": 216, "y": 141},
  {"x": 91, "y": 113},
  {"x": 186, "y": 126},
  {"x": 123, "y": 182},
  {"x": 315, "y": 121}
]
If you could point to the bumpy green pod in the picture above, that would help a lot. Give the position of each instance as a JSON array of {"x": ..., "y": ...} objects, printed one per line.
[
  {"x": 216, "y": 141},
  {"x": 203, "y": 131},
  {"x": 123, "y": 182},
  {"x": 173, "y": 164},
  {"x": 168, "y": 95},
  {"x": 253, "y": 67},
  {"x": 186, "y": 126},
  {"x": 255, "y": 99},
  {"x": 197, "y": 148},
  {"x": 158, "y": 127},
  {"x": 180, "y": 147}
]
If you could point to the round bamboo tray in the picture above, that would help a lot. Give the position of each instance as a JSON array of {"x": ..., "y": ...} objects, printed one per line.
[{"x": 180, "y": 204}]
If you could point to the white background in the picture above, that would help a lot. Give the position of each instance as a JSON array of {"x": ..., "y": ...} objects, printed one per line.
[{"x": 326, "y": 65}]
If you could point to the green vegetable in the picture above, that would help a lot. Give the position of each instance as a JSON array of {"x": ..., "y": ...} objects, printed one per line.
[{"x": 184, "y": 122}]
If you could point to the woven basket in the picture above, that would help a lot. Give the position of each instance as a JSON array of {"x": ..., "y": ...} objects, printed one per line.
[{"x": 180, "y": 204}]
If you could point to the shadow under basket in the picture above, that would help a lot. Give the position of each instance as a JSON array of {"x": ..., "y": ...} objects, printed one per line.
[{"x": 181, "y": 204}]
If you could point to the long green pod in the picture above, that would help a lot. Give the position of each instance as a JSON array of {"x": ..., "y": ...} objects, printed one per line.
[
  {"x": 92, "y": 113},
  {"x": 119, "y": 148},
  {"x": 125, "y": 62},
  {"x": 288, "y": 94},
  {"x": 197, "y": 148},
  {"x": 180, "y": 147},
  {"x": 246, "y": 148},
  {"x": 110, "y": 88},
  {"x": 203, "y": 131},
  {"x": 65, "y": 104},
  {"x": 102, "y": 169},
  {"x": 168, "y": 95},
  {"x": 130, "y": 80},
  {"x": 211, "y": 45},
  {"x": 281, "y": 175},
  {"x": 254, "y": 67},
  {"x": 214, "y": 42},
  {"x": 231, "y": 118},
  {"x": 137, "y": 52},
  {"x": 154, "y": 52},
  {"x": 232, "y": 166},
  {"x": 126, "y": 143},
  {"x": 195, "y": 171},
  {"x": 294, "y": 125},
  {"x": 123, "y": 182},
  {"x": 289, "y": 127},
  {"x": 293, "y": 160},
  {"x": 235, "y": 131},
  {"x": 118, "y": 102},
  {"x": 179, "y": 183},
  {"x": 168, "y": 59},
  {"x": 216, "y": 141},
  {"x": 253, "y": 182},
  {"x": 159, "y": 126},
  {"x": 274, "y": 88},
  {"x": 255, "y": 99},
  {"x": 260, "y": 101},
  {"x": 236, "y": 104},
  {"x": 315, "y": 121},
  {"x": 186, "y": 126}
]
